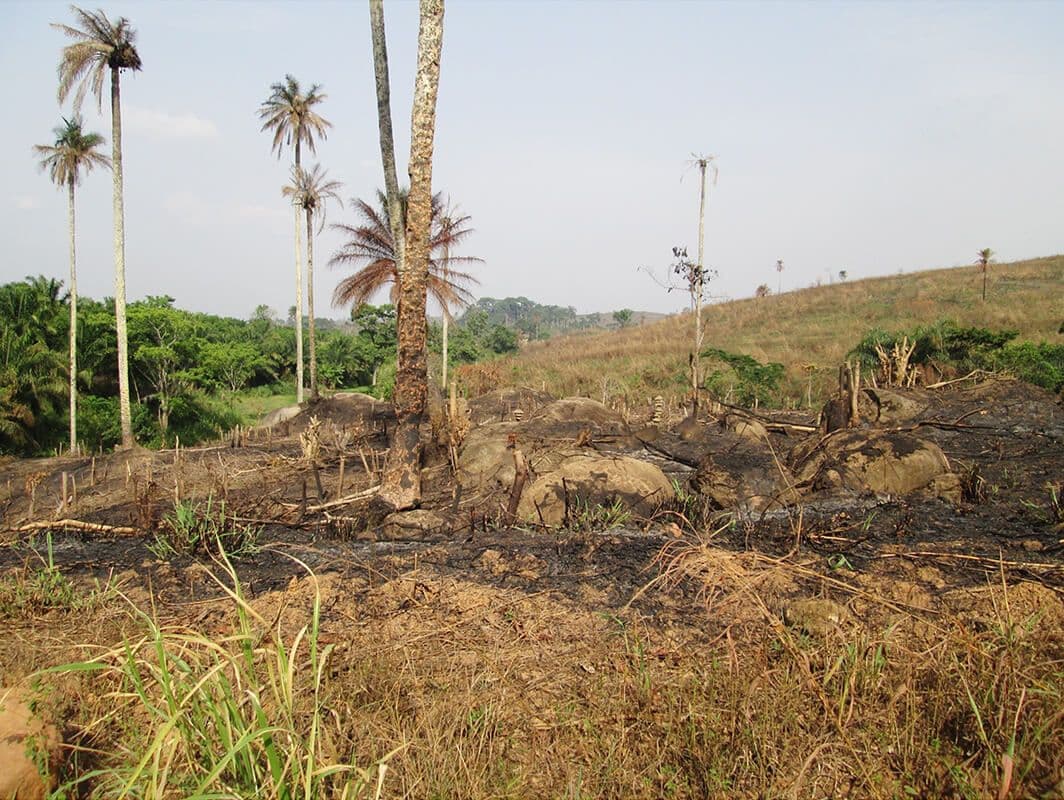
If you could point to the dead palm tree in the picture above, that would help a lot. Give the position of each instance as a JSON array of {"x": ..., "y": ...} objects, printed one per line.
[
  {"x": 310, "y": 190},
  {"x": 101, "y": 45},
  {"x": 289, "y": 113},
  {"x": 73, "y": 154},
  {"x": 985, "y": 256},
  {"x": 370, "y": 246}
]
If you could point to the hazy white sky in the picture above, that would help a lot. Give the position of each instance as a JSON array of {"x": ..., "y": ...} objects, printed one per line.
[{"x": 871, "y": 137}]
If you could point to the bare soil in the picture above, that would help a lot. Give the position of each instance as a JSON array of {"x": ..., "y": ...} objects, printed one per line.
[{"x": 655, "y": 658}]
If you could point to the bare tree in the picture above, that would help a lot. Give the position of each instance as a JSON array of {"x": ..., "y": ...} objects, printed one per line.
[{"x": 705, "y": 164}]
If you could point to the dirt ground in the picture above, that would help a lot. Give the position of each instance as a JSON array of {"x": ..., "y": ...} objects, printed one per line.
[{"x": 584, "y": 646}]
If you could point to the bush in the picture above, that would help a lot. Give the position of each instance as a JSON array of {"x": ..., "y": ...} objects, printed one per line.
[
  {"x": 744, "y": 377},
  {"x": 967, "y": 349}
]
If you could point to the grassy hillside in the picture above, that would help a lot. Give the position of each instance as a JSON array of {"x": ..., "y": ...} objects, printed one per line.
[{"x": 803, "y": 329}]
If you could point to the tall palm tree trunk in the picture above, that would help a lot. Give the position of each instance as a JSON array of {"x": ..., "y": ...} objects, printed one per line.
[
  {"x": 73, "y": 365},
  {"x": 124, "y": 414},
  {"x": 446, "y": 317},
  {"x": 299, "y": 308},
  {"x": 401, "y": 483},
  {"x": 310, "y": 307},
  {"x": 446, "y": 312},
  {"x": 384, "y": 123}
]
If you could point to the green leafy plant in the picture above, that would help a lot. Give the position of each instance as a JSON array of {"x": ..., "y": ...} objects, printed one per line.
[
  {"x": 593, "y": 517},
  {"x": 38, "y": 589},
  {"x": 743, "y": 377},
  {"x": 195, "y": 527}
]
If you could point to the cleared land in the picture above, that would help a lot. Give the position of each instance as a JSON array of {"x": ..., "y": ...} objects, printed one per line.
[{"x": 805, "y": 330}]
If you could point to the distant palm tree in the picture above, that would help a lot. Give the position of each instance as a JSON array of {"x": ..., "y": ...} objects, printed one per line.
[
  {"x": 289, "y": 113},
  {"x": 985, "y": 255},
  {"x": 371, "y": 247},
  {"x": 74, "y": 152},
  {"x": 101, "y": 45},
  {"x": 310, "y": 190}
]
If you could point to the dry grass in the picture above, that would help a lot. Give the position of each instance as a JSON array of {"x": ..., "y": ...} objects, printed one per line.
[
  {"x": 812, "y": 327},
  {"x": 471, "y": 690}
]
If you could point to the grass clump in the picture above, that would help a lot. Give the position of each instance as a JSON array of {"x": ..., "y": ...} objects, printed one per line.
[
  {"x": 41, "y": 588},
  {"x": 235, "y": 716},
  {"x": 195, "y": 527}
]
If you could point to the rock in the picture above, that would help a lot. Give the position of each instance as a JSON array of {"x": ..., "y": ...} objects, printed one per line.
[
  {"x": 575, "y": 417},
  {"x": 484, "y": 461},
  {"x": 22, "y": 735},
  {"x": 595, "y": 480},
  {"x": 895, "y": 406},
  {"x": 748, "y": 482},
  {"x": 419, "y": 525},
  {"x": 746, "y": 427},
  {"x": 815, "y": 617},
  {"x": 277, "y": 416},
  {"x": 884, "y": 462},
  {"x": 741, "y": 474}
]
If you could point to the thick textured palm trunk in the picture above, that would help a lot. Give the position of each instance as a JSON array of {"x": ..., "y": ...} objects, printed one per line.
[
  {"x": 310, "y": 308},
  {"x": 73, "y": 364},
  {"x": 401, "y": 484},
  {"x": 125, "y": 416}
]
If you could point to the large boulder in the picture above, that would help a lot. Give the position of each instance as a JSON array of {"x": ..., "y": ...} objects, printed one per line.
[
  {"x": 741, "y": 474},
  {"x": 554, "y": 433},
  {"x": 484, "y": 461},
  {"x": 279, "y": 415},
  {"x": 29, "y": 750},
  {"x": 884, "y": 462},
  {"x": 584, "y": 481}
]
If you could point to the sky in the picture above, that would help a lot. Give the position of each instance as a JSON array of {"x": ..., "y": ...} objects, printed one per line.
[{"x": 868, "y": 137}]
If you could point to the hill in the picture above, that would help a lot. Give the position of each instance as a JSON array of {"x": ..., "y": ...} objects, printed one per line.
[
  {"x": 809, "y": 331},
  {"x": 537, "y": 321}
]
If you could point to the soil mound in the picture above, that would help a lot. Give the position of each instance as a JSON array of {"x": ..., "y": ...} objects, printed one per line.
[{"x": 505, "y": 405}]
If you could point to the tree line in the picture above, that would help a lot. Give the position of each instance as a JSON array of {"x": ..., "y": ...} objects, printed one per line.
[{"x": 185, "y": 367}]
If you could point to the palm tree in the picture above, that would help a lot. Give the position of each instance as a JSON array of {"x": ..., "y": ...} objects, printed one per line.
[
  {"x": 401, "y": 479},
  {"x": 985, "y": 255},
  {"x": 310, "y": 190},
  {"x": 289, "y": 113},
  {"x": 371, "y": 246},
  {"x": 74, "y": 151},
  {"x": 100, "y": 45}
]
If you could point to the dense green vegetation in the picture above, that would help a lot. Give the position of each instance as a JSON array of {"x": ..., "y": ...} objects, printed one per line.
[
  {"x": 947, "y": 344},
  {"x": 189, "y": 371}
]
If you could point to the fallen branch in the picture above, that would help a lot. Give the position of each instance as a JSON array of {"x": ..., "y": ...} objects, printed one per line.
[
  {"x": 73, "y": 525},
  {"x": 974, "y": 374},
  {"x": 342, "y": 501}
]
